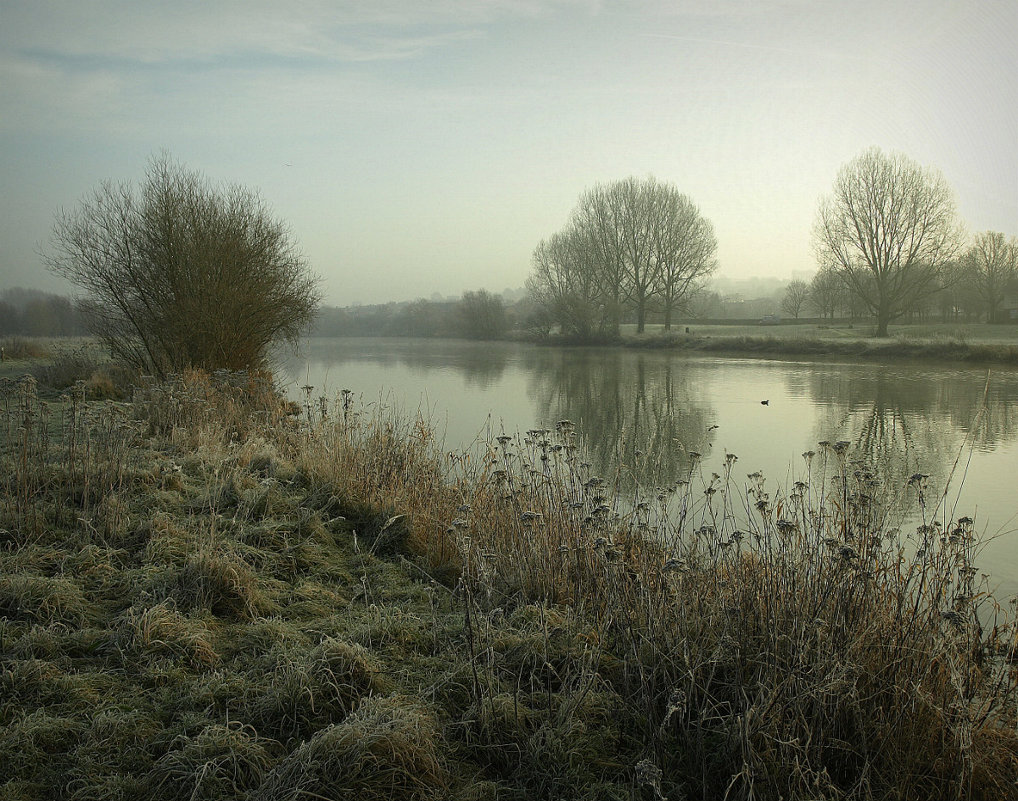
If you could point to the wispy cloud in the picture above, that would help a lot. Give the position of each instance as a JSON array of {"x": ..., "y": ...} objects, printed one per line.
[{"x": 144, "y": 33}]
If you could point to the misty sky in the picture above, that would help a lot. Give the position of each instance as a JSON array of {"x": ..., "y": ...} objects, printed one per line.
[{"x": 420, "y": 147}]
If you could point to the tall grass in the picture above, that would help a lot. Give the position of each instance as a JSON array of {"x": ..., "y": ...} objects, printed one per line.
[
  {"x": 16, "y": 347},
  {"x": 790, "y": 646}
]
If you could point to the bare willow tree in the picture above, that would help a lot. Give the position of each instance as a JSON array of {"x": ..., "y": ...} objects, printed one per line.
[
  {"x": 991, "y": 265},
  {"x": 630, "y": 244},
  {"x": 182, "y": 273},
  {"x": 889, "y": 229}
]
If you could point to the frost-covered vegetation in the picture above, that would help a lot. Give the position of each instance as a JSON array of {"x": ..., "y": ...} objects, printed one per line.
[{"x": 207, "y": 592}]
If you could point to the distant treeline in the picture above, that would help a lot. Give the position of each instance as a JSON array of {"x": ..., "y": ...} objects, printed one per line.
[
  {"x": 31, "y": 312},
  {"x": 476, "y": 315}
]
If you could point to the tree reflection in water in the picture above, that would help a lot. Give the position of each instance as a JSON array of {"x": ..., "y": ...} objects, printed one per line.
[
  {"x": 636, "y": 411},
  {"x": 903, "y": 421},
  {"x": 646, "y": 411}
]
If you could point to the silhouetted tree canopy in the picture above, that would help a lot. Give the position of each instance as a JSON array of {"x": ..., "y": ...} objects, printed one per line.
[{"x": 482, "y": 315}]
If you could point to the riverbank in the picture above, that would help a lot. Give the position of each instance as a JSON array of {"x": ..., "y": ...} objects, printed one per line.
[
  {"x": 870, "y": 349},
  {"x": 962, "y": 343},
  {"x": 205, "y": 594}
]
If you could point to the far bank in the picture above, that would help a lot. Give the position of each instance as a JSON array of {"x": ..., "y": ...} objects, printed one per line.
[{"x": 968, "y": 342}]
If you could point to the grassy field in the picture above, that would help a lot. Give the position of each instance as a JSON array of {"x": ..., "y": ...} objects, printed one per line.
[
  {"x": 207, "y": 592},
  {"x": 839, "y": 332},
  {"x": 975, "y": 343}
]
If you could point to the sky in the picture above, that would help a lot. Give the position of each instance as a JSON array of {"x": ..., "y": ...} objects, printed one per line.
[{"x": 422, "y": 148}]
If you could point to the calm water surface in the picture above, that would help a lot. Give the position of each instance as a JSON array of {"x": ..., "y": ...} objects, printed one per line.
[{"x": 904, "y": 418}]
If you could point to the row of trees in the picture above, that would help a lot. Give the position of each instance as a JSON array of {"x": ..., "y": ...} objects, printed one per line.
[
  {"x": 972, "y": 286},
  {"x": 29, "y": 312},
  {"x": 889, "y": 233},
  {"x": 476, "y": 315},
  {"x": 887, "y": 239},
  {"x": 631, "y": 245}
]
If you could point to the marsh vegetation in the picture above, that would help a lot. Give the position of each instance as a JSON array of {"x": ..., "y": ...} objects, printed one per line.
[{"x": 208, "y": 592}]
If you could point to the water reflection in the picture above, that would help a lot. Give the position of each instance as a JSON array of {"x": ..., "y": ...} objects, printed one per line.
[
  {"x": 646, "y": 410},
  {"x": 481, "y": 366},
  {"x": 907, "y": 420},
  {"x": 636, "y": 410}
]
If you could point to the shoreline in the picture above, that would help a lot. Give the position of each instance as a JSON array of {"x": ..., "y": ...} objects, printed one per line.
[{"x": 867, "y": 350}]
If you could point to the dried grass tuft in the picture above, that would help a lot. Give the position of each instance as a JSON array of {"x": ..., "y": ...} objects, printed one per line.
[
  {"x": 221, "y": 761},
  {"x": 388, "y": 748}
]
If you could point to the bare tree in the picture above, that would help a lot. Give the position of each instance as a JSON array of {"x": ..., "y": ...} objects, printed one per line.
[
  {"x": 183, "y": 273},
  {"x": 827, "y": 292},
  {"x": 684, "y": 248},
  {"x": 565, "y": 284},
  {"x": 597, "y": 220},
  {"x": 889, "y": 230},
  {"x": 633, "y": 242},
  {"x": 795, "y": 297},
  {"x": 991, "y": 264}
]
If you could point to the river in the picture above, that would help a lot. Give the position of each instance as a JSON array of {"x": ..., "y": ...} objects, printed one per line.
[{"x": 957, "y": 424}]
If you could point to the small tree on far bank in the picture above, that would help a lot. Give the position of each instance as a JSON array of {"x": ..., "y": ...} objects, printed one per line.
[
  {"x": 991, "y": 265},
  {"x": 827, "y": 293},
  {"x": 182, "y": 273},
  {"x": 482, "y": 315},
  {"x": 795, "y": 297}
]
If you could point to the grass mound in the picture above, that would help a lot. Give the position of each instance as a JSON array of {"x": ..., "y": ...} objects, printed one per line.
[
  {"x": 309, "y": 688},
  {"x": 221, "y": 761},
  {"x": 388, "y": 748}
]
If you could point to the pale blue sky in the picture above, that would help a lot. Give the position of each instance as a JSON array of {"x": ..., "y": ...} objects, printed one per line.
[{"x": 421, "y": 147}]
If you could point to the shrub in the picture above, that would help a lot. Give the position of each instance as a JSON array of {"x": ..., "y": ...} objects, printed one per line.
[{"x": 183, "y": 273}]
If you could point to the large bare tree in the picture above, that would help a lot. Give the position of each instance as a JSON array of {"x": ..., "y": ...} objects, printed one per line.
[
  {"x": 630, "y": 244},
  {"x": 991, "y": 264},
  {"x": 889, "y": 229},
  {"x": 182, "y": 273}
]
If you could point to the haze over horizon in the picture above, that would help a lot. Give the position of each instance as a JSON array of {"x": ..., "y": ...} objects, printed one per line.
[{"x": 427, "y": 148}]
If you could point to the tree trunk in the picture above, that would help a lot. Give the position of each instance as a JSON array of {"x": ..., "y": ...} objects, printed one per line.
[
  {"x": 883, "y": 318},
  {"x": 668, "y": 317},
  {"x": 641, "y": 317}
]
